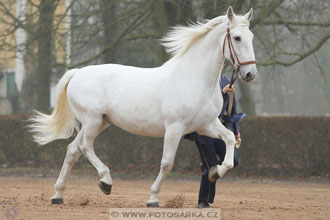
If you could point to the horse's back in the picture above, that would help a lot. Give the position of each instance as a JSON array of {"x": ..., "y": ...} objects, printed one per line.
[{"x": 129, "y": 96}]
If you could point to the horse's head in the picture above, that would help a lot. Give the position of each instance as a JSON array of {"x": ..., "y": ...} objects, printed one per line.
[{"x": 237, "y": 46}]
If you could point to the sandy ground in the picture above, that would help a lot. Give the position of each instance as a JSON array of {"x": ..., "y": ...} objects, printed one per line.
[{"x": 236, "y": 199}]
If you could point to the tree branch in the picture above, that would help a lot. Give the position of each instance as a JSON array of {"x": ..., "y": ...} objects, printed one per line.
[
  {"x": 266, "y": 12},
  {"x": 144, "y": 35},
  {"x": 300, "y": 56},
  {"x": 111, "y": 44},
  {"x": 297, "y": 23}
]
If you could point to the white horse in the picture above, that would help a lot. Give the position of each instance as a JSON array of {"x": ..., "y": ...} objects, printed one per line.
[{"x": 177, "y": 98}]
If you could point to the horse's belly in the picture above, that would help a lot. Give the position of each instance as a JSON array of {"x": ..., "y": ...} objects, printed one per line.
[
  {"x": 141, "y": 123},
  {"x": 137, "y": 111}
]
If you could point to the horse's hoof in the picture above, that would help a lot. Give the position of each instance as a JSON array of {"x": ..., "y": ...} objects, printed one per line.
[
  {"x": 106, "y": 189},
  {"x": 213, "y": 174},
  {"x": 152, "y": 204},
  {"x": 57, "y": 201}
]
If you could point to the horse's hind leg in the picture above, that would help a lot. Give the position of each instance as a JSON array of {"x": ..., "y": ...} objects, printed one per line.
[
  {"x": 91, "y": 129},
  {"x": 172, "y": 138},
  {"x": 72, "y": 155}
]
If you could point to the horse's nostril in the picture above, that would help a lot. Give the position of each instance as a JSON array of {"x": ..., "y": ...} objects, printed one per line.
[{"x": 248, "y": 75}]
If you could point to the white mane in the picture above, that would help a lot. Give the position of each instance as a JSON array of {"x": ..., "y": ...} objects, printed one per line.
[{"x": 179, "y": 39}]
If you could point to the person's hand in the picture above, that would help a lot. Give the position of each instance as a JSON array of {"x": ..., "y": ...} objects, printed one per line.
[
  {"x": 238, "y": 140},
  {"x": 226, "y": 89}
]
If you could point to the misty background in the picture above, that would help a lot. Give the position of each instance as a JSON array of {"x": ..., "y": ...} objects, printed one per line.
[{"x": 40, "y": 40}]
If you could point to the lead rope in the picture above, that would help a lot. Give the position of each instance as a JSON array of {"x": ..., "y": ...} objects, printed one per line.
[
  {"x": 235, "y": 70},
  {"x": 231, "y": 95}
]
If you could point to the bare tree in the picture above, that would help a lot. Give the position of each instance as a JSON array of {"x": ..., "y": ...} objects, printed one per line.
[
  {"x": 292, "y": 30},
  {"x": 109, "y": 10},
  {"x": 100, "y": 31},
  {"x": 45, "y": 53},
  {"x": 20, "y": 42}
]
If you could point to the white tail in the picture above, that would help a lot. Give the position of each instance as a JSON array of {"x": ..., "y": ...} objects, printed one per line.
[{"x": 61, "y": 123}]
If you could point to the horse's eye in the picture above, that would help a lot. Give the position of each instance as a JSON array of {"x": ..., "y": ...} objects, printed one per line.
[{"x": 237, "y": 38}]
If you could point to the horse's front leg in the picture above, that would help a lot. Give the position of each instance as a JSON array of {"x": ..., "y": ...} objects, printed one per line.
[
  {"x": 218, "y": 130},
  {"x": 172, "y": 138}
]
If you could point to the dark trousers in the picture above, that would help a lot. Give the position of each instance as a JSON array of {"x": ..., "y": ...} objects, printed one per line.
[{"x": 209, "y": 159}]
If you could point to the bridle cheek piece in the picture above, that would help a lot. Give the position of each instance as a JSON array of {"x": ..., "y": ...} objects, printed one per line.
[{"x": 232, "y": 53}]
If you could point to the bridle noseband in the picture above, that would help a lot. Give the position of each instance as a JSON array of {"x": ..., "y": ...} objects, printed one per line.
[{"x": 232, "y": 53}]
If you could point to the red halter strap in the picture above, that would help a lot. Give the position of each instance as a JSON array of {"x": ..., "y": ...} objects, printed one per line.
[{"x": 233, "y": 52}]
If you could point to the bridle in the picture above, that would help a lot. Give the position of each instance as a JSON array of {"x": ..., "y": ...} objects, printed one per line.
[{"x": 232, "y": 53}]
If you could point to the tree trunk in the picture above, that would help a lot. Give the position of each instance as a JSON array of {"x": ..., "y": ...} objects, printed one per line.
[
  {"x": 44, "y": 54},
  {"x": 161, "y": 23},
  {"x": 246, "y": 101},
  {"x": 68, "y": 20},
  {"x": 109, "y": 14},
  {"x": 20, "y": 45},
  {"x": 169, "y": 13},
  {"x": 187, "y": 12},
  {"x": 214, "y": 8}
]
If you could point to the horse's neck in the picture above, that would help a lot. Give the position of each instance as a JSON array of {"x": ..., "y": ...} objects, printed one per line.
[{"x": 202, "y": 63}]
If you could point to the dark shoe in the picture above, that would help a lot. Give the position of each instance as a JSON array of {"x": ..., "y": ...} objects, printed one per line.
[
  {"x": 202, "y": 205},
  {"x": 213, "y": 174}
]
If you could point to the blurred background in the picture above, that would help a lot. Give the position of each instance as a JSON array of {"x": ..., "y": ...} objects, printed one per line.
[
  {"x": 40, "y": 40},
  {"x": 288, "y": 128}
]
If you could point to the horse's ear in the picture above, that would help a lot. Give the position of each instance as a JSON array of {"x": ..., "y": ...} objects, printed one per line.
[
  {"x": 230, "y": 14},
  {"x": 248, "y": 15}
]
